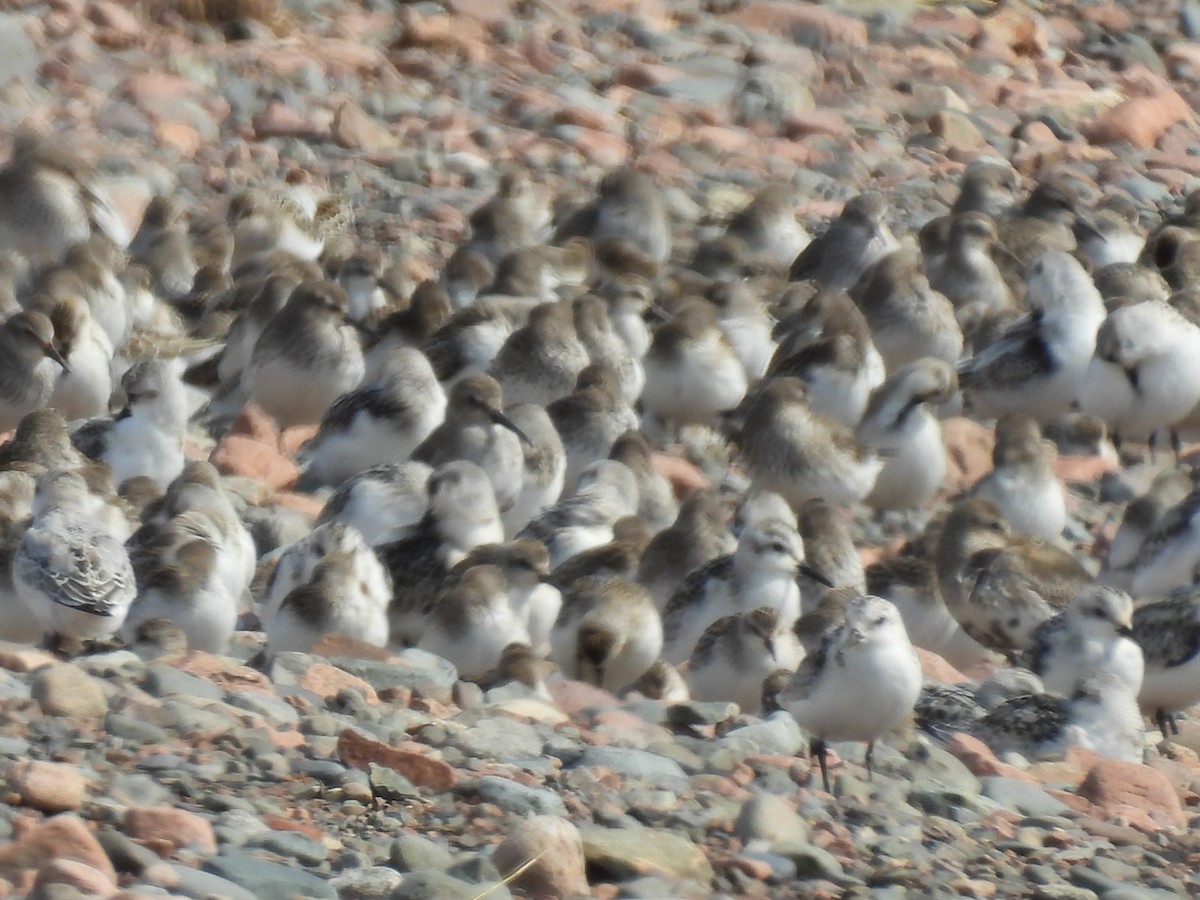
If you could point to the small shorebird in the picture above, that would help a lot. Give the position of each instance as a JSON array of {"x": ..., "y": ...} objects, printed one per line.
[{"x": 862, "y": 682}]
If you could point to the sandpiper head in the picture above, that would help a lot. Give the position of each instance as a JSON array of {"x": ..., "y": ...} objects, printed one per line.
[
  {"x": 872, "y": 620},
  {"x": 33, "y": 333},
  {"x": 1018, "y": 441},
  {"x": 773, "y": 546},
  {"x": 479, "y": 398},
  {"x": 460, "y": 488},
  {"x": 1104, "y": 609}
]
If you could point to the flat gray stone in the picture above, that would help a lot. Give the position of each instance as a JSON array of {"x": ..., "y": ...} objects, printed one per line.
[
  {"x": 1020, "y": 796},
  {"x": 503, "y": 739},
  {"x": 267, "y": 880},
  {"x": 519, "y": 798},
  {"x": 630, "y": 763},
  {"x": 202, "y": 885},
  {"x": 413, "y": 853}
]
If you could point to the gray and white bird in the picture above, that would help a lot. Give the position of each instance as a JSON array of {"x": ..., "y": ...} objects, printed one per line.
[
  {"x": 1100, "y": 714},
  {"x": 477, "y": 430},
  {"x": 855, "y": 240},
  {"x": 29, "y": 365},
  {"x": 545, "y": 468},
  {"x": 472, "y": 621},
  {"x": 736, "y": 653},
  {"x": 52, "y": 200},
  {"x": 1168, "y": 631},
  {"x": 1022, "y": 482},
  {"x": 761, "y": 572},
  {"x": 1039, "y": 366},
  {"x": 1094, "y": 633},
  {"x": 307, "y": 356},
  {"x": 377, "y": 423},
  {"x": 462, "y": 515},
  {"x": 607, "y": 491},
  {"x": 384, "y": 503},
  {"x": 147, "y": 437},
  {"x": 699, "y": 534},
  {"x": 334, "y": 599},
  {"x": 906, "y": 434},
  {"x": 73, "y": 574},
  {"x": 860, "y": 684},
  {"x": 608, "y": 634},
  {"x": 787, "y": 448}
]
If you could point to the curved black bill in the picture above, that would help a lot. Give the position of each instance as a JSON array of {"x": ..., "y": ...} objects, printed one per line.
[
  {"x": 501, "y": 419},
  {"x": 810, "y": 572}
]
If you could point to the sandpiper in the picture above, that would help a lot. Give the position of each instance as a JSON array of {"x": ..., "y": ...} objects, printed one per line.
[
  {"x": 1094, "y": 633},
  {"x": 462, "y": 515},
  {"x": 591, "y": 418},
  {"x": 606, "y": 491},
  {"x": 1022, "y": 482},
  {"x": 1170, "y": 553},
  {"x": 477, "y": 430},
  {"x": 693, "y": 373},
  {"x": 909, "y": 320},
  {"x": 1167, "y": 632},
  {"x": 75, "y": 575},
  {"x": 861, "y": 683},
  {"x": 998, "y": 587},
  {"x": 736, "y": 653},
  {"x": 1038, "y": 367},
  {"x": 52, "y": 200},
  {"x": 900, "y": 427},
  {"x": 472, "y": 622},
  {"x": 768, "y": 227},
  {"x": 540, "y": 362},
  {"x": 307, "y": 356},
  {"x": 787, "y": 448},
  {"x": 1145, "y": 374},
  {"x": 146, "y": 438},
  {"x": 379, "y": 422},
  {"x": 699, "y": 534},
  {"x": 854, "y": 240},
  {"x": 384, "y": 503},
  {"x": 657, "y": 505},
  {"x": 608, "y": 634},
  {"x": 29, "y": 365},
  {"x": 1141, "y": 516},
  {"x": 1101, "y": 714},
  {"x": 334, "y": 599},
  {"x": 761, "y": 572},
  {"x": 545, "y": 467}
]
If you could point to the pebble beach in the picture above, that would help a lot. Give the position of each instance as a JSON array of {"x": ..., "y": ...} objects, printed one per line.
[{"x": 355, "y": 772}]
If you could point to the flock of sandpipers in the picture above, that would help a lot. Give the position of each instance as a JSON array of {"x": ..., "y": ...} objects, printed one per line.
[{"x": 489, "y": 444}]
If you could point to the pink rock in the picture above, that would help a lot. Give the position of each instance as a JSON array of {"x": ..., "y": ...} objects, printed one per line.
[
  {"x": 84, "y": 878},
  {"x": 572, "y": 697},
  {"x": 253, "y": 422},
  {"x": 162, "y": 827},
  {"x": 684, "y": 476},
  {"x": 224, "y": 673},
  {"x": 248, "y": 458},
  {"x": 491, "y": 12},
  {"x": 51, "y": 787},
  {"x": 179, "y": 136},
  {"x": 968, "y": 450},
  {"x": 326, "y": 681},
  {"x": 556, "y": 845},
  {"x": 305, "y": 504},
  {"x": 354, "y": 129},
  {"x": 1113, "y": 785},
  {"x": 818, "y": 121},
  {"x": 334, "y": 645},
  {"x": 979, "y": 758},
  {"x": 1139, "y": 120},
  {"x": 934, "y": 668},
  {"x": 24, "y": 659},
  {"x": 61, "y": 837}
]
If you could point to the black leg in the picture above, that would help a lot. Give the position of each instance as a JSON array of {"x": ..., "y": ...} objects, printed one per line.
[
  {"x": 870, "y": 758},
  {"x": 1174, "y": 723},
  {"x": 1160, "y": 717},
  {"x": 817, "y": 749},
  {"x": 1176, "y": 445},
  {"x": 1152, "y": 443}
]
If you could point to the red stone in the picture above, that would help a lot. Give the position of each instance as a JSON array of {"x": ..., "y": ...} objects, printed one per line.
[
  {"x": 51, "y": 787},
  {"x": 358, "y": 751},
  {"x": 1114, "y": 785}
]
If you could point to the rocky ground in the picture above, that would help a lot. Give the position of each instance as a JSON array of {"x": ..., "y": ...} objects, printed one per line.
[{"x": 343, "y": 774}]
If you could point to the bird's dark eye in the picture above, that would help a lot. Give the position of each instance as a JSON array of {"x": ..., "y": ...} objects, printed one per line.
[
  {"x": 997, "y": 526},
  {"x": 881, "y": 620},
  {"x": 1098, "y": 613}
]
